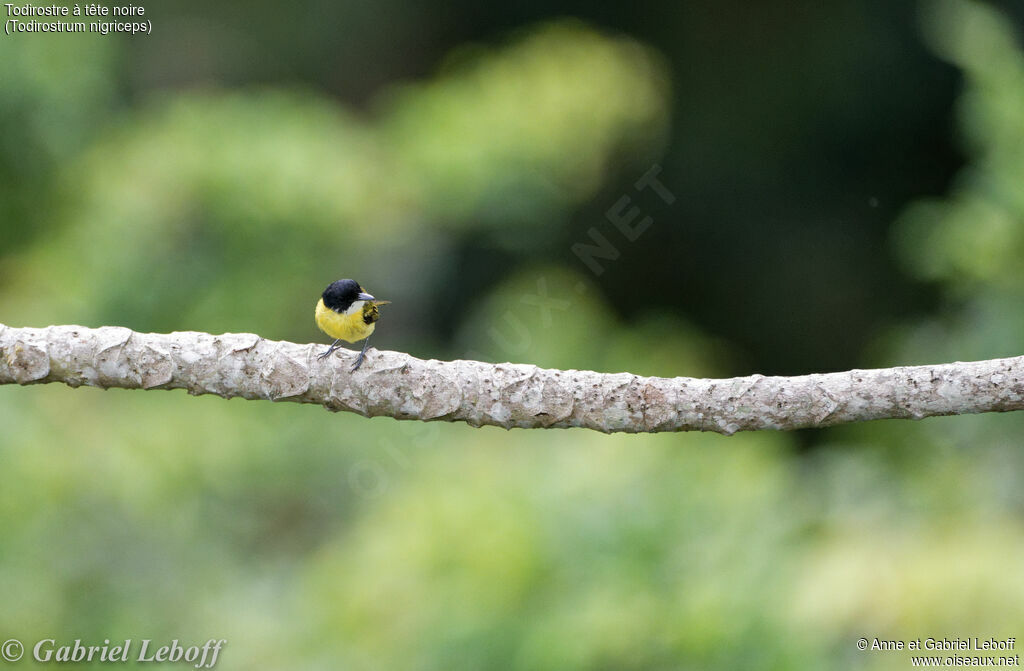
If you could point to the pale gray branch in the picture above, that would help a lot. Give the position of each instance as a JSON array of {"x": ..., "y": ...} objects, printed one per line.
[{"x": 509, "y": 395}]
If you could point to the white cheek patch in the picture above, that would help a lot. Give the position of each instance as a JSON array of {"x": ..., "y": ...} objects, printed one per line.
[{"x": 354, "y": 308}]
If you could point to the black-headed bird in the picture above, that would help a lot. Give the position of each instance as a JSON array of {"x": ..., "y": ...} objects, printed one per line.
[{"x": 346, "y": 312}]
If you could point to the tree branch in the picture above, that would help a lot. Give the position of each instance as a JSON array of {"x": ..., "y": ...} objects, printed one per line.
[{"x": 397, "y": 385}]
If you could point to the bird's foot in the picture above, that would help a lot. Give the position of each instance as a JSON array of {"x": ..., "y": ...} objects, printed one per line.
[
  {"x": 362, "y": 355},
  {"x": 330, "y": 350}
]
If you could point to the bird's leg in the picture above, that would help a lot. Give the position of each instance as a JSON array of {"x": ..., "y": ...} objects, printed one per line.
[
  {"x": 328, "y": 352},
  {"x": 362, "y": 355}
]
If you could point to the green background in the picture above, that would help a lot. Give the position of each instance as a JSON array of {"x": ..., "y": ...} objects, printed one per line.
[{"x": 848, "y": 183}]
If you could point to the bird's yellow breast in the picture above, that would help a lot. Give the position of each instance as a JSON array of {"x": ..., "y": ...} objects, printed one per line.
[{"x": 349, "y": 327}]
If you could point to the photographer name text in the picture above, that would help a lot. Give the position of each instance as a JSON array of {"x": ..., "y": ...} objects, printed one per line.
[
  {"x": 200, "y": 656},
  {"x": 974, "y": 643}
]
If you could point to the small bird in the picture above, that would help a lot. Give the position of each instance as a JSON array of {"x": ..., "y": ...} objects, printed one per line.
[{"x": 346, "y": 312}]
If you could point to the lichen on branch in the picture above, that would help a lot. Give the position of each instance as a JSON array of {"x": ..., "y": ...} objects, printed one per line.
[{"x": 393, "y": 384}]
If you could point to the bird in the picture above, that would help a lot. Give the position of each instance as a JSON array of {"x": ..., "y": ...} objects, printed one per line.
[{"x": 347, "y": 312}]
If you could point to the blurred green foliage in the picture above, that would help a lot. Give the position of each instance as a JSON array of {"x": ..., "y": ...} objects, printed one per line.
[
  {"x": 310, "y": 540},
  {"x": 56, "y": 91},
  {"x": 970, "y": 242}
]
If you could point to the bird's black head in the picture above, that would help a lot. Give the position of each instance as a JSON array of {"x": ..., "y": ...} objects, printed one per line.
[{"x": 340, "y": 295}]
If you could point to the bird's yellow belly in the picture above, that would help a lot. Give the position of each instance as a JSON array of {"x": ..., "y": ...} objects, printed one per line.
[{"x": 349, "y": 328}]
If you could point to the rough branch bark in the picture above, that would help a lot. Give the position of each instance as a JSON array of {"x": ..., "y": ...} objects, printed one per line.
[{"x": 397, "y": 385}]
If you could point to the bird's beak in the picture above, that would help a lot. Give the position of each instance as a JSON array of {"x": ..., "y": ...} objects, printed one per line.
[{"x": 365, "y": 297}]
